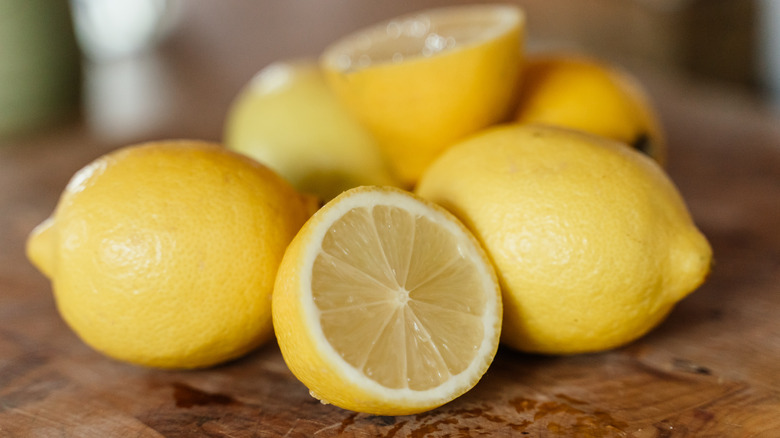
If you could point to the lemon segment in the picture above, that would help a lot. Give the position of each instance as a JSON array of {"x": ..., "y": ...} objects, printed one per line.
[
  {"x": 287, "y": 118},
  {"x": 592, "y": 242},
  {"x": 386, "y": 304},
  {"x": 422, "y": 81},
  {"x": 164, "y": 254},
  {"x": 578, "y": 92}
]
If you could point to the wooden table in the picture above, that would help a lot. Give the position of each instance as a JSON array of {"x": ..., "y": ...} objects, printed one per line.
[{"x": 711, "y": 369}]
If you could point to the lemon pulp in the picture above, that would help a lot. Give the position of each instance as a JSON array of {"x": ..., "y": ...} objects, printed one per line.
[{"x": 399, "y": 318}]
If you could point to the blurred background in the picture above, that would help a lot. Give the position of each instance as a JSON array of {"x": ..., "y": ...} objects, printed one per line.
[{"x": 129, "y": 70}]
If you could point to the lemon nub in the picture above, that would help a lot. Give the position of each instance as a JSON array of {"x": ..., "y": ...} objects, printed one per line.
[{"x": 396, "y": 300}]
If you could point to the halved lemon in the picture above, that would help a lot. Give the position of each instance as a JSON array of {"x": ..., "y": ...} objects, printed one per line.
[
  {"x": 422, "y": 81},
  {"x": 386, "y": 304}
]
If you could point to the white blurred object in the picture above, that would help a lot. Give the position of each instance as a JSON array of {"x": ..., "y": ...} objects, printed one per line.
[
  {"x": 111, "y": 29},
  {"x": 769, "y": 39},
  {"x": 126, "y": 86},
  {"x": 127, "y": 98}
]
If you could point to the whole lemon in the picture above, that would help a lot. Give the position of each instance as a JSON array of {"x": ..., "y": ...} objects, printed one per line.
[
  {"x": 287, "y": 118},
  {"x": 164, "y": 254},
  {"x": 592, "y": 242},
  {"x": 579, "y": 92}
]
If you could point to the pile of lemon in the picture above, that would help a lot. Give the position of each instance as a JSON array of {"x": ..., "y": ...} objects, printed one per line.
[{"x": 389, "y": 214}]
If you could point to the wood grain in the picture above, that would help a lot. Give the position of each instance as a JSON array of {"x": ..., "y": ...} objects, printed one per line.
[{"x": 711, "y": 369}]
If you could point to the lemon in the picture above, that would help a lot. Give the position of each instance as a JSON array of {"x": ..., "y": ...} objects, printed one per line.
[
  {"x": 164, "y": 254},
  {"x": 386, "y": 304},
  {"x": 420, "y": 82},
  {"x": 592, "y": 242},
  {"x": 287, "y": 118},
  {"x": 575, "y": 91}
]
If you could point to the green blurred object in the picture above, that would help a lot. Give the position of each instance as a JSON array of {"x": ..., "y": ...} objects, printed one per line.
[{"x": 40, "y": 65}]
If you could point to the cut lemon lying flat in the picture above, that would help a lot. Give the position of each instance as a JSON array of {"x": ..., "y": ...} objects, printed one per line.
[
  {"x": 422, "y": 81},
  {"x": 386, "y": 304}
]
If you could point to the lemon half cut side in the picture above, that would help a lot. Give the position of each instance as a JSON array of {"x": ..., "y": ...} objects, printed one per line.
[
  {"x": 421, "y": 81},
  {"x": 385, "y": 304}
]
